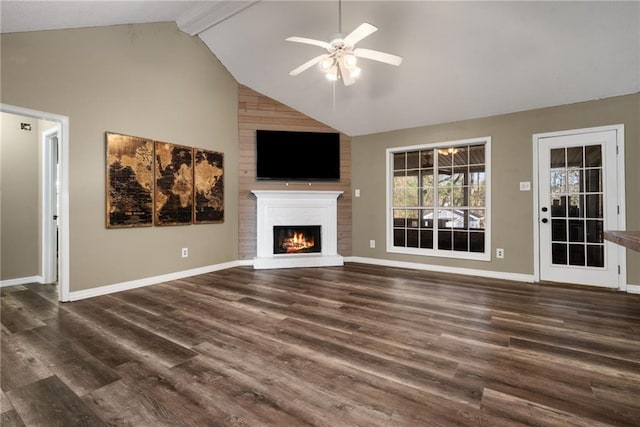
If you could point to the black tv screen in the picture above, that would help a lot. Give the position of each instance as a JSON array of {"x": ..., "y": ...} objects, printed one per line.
[{"x": 297, "y": 156}]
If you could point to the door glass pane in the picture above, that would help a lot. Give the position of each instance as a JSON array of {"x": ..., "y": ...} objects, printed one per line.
[
  {"x": 576, "y": 255},
  {"x": 576, "y": 231},
  {"x": 559, "y": 207},
  {"x": 594, "y": 231},
  {"x": 559, "y": 230},
  {"x": 576, "y": 210},
  {"x": 593, "y": 156},
  {"x": 559, "y": 253},
  {"x": 557, "y": 158},
  {"x": 593, "y": 180},
  {"x": 594, "y": 206},
  {"x": 574, "y": 157},
  {"x": 574, "y": 181},
  {"x": 595, "y": 255},
  {"x": 558, "y": 182}
]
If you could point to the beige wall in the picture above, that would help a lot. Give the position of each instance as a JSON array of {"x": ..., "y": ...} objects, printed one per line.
[
  {"x": 146, "y": 80},
  {"x": 512, "y": 162},
  {"x": 19, "y": 198}
]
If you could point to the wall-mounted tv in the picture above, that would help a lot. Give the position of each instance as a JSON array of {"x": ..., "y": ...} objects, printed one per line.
[{"x": 297, "y": 156}]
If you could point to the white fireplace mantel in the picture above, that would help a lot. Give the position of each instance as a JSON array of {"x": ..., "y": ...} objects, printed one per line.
[{"x": 297, "y": 208}]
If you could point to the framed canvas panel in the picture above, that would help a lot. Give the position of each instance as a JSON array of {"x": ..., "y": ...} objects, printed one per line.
[
  {"x": 129, "y": 181},
  {"x": 208, "y": 194},
  {"x": 174, "y": 184}
]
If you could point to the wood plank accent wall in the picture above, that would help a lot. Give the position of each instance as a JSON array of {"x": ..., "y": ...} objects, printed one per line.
[{"x": 256, "y": 111}]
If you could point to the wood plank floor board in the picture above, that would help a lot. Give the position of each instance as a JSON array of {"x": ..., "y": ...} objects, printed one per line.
[
  {"x": 338, "y": 346},
  {"x": 49, "y": 402}
]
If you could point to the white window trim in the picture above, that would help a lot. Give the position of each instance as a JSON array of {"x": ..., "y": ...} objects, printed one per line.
[{"x": 476, "y": 256}]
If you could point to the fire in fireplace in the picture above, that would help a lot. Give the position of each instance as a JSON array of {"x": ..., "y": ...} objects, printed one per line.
[{"x": 296, "y": 239}]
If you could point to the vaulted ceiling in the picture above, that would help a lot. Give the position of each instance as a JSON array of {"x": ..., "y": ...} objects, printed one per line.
[{"x": 461, "y": 59}]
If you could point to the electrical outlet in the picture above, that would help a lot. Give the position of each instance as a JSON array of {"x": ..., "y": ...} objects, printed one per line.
[
  {"x": 372, "y": 243},
  {"x": 185, "y": 252},
  {"x": 499, "y": 253}
]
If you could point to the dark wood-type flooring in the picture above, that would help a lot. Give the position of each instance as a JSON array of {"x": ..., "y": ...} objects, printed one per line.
[{"x": 340, "y": 346}]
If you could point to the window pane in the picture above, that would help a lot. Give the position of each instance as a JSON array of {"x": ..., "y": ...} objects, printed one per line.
[
  {"x": 413, "y": 160},
  {"x": 399, "y": 160},
  {"x": 399, "y": 218},
  {"x": 559, "y": 207},
  {"x": 445, "y": 240},
  {"x": 461, "y": 157},
  {"x": 426, "y": 239},
  {"x": 426, "y": 158},
  {"x": 476, "y": 242},
  {"x": 412, "y": 193},
  {"x": 445, "y": 157},
  {"x": 574, "y": 181},
  {"x": 427, "y": 218},
  {"x": 460, "y": 241},
  {"x": 459, "y": 197},
  {"x": 445, "y": 218},
  {"x": 559, "y": 230},
  {"x": 476, "y": 155},
  {"x": 576, "y": 231},
  {"x": 576, "y": 208},
  {"x": 398, "y": 237},
  {"x": 412, "y": 238},
  {"x": 427, "y": 197},
  {"x": 558, "y": 182},
  {"x": 476, "y": 219},
  {"x": 594, "y": 205},
  {"x": 427, "y": 178},
  {"x": 413, "y": 218}
]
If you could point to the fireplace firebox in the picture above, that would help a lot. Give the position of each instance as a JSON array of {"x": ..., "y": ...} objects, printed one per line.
[{"x": 296, "y": 239}]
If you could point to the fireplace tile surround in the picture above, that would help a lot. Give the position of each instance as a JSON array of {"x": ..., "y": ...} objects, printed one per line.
[{"x": 291, "y": 208}]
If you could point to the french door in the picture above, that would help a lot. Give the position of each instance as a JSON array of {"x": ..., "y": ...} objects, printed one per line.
[{"x": 578, "y": 201}]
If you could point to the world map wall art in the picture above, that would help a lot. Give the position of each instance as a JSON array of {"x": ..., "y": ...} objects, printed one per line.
[{"x": 161, "y": 183}]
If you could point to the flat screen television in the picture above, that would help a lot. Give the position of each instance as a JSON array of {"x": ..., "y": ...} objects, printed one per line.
[{"x": 297, "y": 156}]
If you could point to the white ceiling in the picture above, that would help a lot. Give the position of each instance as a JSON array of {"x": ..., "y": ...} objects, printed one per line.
[{"x": 461, "y": 59}]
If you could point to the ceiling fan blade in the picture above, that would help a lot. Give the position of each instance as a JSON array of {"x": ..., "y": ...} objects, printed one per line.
[
  {"x": 308, "y": 41},
  {"x": 308, "y": 64},
  {"x": 347, "y": 78},
  {"x": 359, "y": 33},
  {"x": 387, "y": 58}
]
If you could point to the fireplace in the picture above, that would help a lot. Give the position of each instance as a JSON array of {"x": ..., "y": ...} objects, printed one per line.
[
  {"x": 296, "y": 239},
  {"x": 285, "y": 215}
]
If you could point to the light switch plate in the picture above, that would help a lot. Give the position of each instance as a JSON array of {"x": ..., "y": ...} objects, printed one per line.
[{"x": 525, "y": 186}]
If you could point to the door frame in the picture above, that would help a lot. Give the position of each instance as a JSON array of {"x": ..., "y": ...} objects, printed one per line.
[
  {"x": 63, "y": 214},
  {"x": 50, "y": 148},
  {"x": 621, "y": 199}
]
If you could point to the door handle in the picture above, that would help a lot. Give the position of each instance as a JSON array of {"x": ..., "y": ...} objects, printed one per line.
[
  {"x": 544, "y": 209},
  {"x": 544, "y": 220}
]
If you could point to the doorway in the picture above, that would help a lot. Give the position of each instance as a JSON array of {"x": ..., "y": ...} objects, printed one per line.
[
  {"x": 580, "y": 194},
  {"x": 55, "y": 197}
]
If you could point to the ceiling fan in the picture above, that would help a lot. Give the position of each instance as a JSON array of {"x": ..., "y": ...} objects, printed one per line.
[{"x": 342, "y": 54}]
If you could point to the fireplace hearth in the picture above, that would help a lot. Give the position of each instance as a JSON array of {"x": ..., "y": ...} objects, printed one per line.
[{"x": 296, "y": 239}]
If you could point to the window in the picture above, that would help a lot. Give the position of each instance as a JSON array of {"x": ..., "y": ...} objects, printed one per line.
[{"x": 439, "y": 199}]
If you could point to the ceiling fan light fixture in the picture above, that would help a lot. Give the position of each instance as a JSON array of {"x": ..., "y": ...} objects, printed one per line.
[
  {"x": 327, "y": 63},
  {"x": 350, "y": 61},
  {"x": 355, "y": 72},
  {"x": 332, "y": 74}
]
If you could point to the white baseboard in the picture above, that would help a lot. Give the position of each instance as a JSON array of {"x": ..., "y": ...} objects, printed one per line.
[
  {"x": 21, "y": 281},
  {"x": 147, "y": 281},
  {"x": 633, "y": 289},
  {"x": 518, "y": 277}
]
